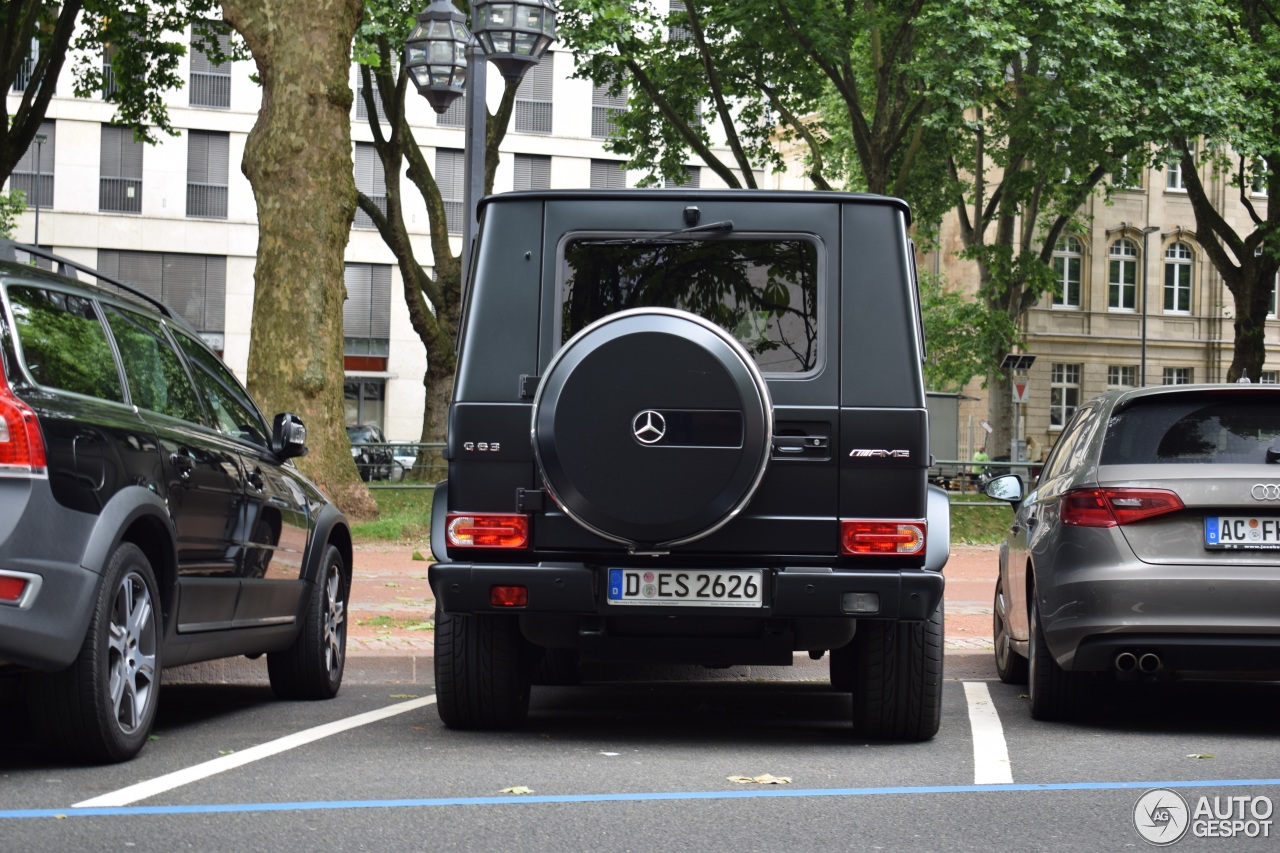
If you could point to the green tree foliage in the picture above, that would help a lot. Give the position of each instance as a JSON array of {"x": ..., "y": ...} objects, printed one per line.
[
  {"x": 144, "y": 39},
  {"x": 960, "y": 333}
]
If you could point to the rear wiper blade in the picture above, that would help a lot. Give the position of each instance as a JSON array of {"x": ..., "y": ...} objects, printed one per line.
[{"x": 691, "y": 233}]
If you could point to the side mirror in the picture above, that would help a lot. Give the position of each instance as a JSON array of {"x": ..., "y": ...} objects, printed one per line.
[
  {"x": 288, "y": 436},
  {"x": 1005, "y": 488}
]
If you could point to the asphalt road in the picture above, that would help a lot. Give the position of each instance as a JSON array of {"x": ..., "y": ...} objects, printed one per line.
[{"x": 641, "y": 766}]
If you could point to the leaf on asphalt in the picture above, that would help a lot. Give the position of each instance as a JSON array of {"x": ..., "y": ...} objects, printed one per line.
[
  {"x": 153, "y": 737},
  {"x": 762, "y": 779},
  {"x": 610, "y": 754},
  {"x": 516, "y": 789},
  {"x": 1200, "y": 755},
  {"x": 226, "y": 752},
  {"x": 404, "y": 696},
  {"x": 1023, "y": 696}
]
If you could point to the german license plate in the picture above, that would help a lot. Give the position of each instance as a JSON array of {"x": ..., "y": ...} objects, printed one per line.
[
  {"x": 1241, "y": 532},
  {"x": 699, "y": 588}
]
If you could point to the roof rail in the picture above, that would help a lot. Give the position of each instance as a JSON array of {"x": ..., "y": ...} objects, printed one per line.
[{"x": 67, "y": 267}]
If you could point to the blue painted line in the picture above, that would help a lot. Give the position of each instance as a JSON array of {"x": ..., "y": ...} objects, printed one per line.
[{"x": 223, "y": 808}]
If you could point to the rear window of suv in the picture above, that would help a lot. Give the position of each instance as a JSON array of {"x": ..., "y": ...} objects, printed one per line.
[
  {"x": 1193, "y": 429},
  {"x": 761, "y": 290}
]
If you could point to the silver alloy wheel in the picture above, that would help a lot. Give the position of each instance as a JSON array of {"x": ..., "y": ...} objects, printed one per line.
[
  {"x": 335, "y": 618},
  {"x": 1010, "y": 666},
  {"x": 131, "y": 653}
]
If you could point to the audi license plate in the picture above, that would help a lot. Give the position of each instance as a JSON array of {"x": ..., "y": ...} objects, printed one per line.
[
  {"x": 1241, "y": 532},
  {"x": 699, "y": 588}
]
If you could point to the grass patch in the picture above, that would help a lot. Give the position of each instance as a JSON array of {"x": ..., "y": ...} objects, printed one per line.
[
  {"x": 404, "y": 515},
  {"x": 976, "y": 524},
  {"x": 392, "y": 622}
]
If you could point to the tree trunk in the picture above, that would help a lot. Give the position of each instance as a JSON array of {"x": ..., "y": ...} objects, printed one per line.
[{"x": 298, "y": 160}]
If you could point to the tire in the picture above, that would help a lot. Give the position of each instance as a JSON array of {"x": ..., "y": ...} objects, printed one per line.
[
  {"x": 102, "y": 707},
  {"x": 652, "y": 428},
  {"x": 1054, "y": 693},
  {"x": 843, "y": 664},
  {"x": 482, "y": 671},
  {"x": 312, "y": 667},
  {"x": 1010, "y": 666},
  {"x": 897, "y": 682}
]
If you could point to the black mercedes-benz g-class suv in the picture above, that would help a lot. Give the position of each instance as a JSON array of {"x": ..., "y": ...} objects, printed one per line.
[
  {"x": 690, "y": 427},
  {"x": 150, "y": 516}
]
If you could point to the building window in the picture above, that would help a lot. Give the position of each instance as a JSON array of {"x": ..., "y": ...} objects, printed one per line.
[
  {"x": 533, "y": 98},
  {"x": 370, "y": 180},
  {"x": 1173, "y": 177},
  {"x": 1272, "y": 313},
  {"x": 365, "y": 401},
  {"x": 1259, "y": 180},
  {"x": 22, "y": 79},
  {"x": 1123, "y": 289},
  {"x": 1127, "y": 176},
  {"x": 676, "y": 29},
  {"x": 36, "y": 178},
  {"x": 1177, "y": 279},
  {"x": 210, "y": 83},
  {"x": 1064, "y": 393},
  {"x": 362, "y": 109},
  {"x": 120, "y": 176},
  {"x": 194, "y": 286},
  {"x": 1177, "y": 376},
  {"x": 1269, "y": 377},
  {"x": 532, "y": 172},
  {"x": 608, "y": 174},
  {"x": 1068, "y": 257},
  {"x": 208, "y": 161},
  {"x": 451, "y": 180},
  {"x": 455, "y": 115},
  {"x": 692, "y": 178},
  {"x": 366, "y": 316},
  {"x": 1122, "y": 376},
  {"x": 604, "y": 111},
  {"x": 109, "y": 87}
]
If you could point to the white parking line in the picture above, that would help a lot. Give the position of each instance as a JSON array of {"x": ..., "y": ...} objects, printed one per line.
[
  {"x": 990, "y": 752},
  {"x": 178, "y": 778}
]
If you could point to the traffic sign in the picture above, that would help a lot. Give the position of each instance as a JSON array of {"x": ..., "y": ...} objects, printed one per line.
[{"x": 1020, "y": 390}]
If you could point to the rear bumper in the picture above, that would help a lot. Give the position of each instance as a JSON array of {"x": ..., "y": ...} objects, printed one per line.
[
  {"x": 575, "y": 588},
  {"x": 47, "y": 632}
]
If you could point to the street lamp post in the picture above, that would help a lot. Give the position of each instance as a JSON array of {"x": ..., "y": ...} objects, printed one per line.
[
  {"x": 40, "y": 139},
  {"x": 445, "y": 61},
  {"x": 1150, "y": 229}
]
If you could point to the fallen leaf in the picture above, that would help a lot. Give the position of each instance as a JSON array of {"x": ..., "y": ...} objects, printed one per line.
[
  {"x": 762, "y": 779},
  {"x": 404, "y": 696},
  {"x": 226, "y": 752},
  {"x": 610, "y": 754},
  {"x": 391, "y": 584},
  {"x": 516, "y": 789},
  {"x": 1200, "y": 755},
  {"x": 59, "y": 817}
]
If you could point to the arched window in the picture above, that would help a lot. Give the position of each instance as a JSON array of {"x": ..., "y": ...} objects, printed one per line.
[
  {"x": 1177, "y": 279},
  {"x": 1123, "y": 286},
  {"x": 1068, "y": 257}
]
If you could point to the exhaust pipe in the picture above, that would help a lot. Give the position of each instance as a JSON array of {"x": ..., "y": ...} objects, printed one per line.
[
  {"x": 1126, "y": 662},
  {"x": 1150, "y": 663}
]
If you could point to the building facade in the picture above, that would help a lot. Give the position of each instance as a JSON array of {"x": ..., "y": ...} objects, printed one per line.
[{"x": 178, "y": 218}]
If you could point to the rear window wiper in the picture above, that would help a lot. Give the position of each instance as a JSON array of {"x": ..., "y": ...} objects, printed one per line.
[{"x": 691, "y": 233}]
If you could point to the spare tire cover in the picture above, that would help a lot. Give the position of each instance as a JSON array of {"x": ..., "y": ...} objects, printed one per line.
[{"x": 652, "y": 427}]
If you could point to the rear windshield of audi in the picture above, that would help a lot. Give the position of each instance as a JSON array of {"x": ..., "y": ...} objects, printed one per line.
[
  {"x": 1217, "y": 428},
  {"x": 763, "y": 291}
]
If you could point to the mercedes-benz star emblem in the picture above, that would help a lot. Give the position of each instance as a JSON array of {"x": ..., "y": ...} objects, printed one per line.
[{"x": 649, "y": 427}]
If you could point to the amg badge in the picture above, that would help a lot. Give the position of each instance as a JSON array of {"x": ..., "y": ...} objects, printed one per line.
[{"x": 859, "y": 453}]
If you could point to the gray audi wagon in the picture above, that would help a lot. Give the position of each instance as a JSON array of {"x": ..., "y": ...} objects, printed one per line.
[{"x": 1149, "y": 547}]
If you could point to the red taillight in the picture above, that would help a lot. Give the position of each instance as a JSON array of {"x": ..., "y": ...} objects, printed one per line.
[
  {"x": 11, "y": 589},
  {"x": 487, "y": 530},
  {"x": 21, "y": 446},
  {"x": 877, "y": 536},
  {"x": 508, "y": 596},
  {"x": 1115, "y": 507}
]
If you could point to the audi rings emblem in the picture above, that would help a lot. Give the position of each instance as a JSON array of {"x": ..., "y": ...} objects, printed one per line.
[
  {"x": 649, "y": 427},
  {"x": 1265, "y": 492}
]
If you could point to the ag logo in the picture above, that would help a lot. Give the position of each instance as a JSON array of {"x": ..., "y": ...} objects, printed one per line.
[{"x": 1161, "y": 816}]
